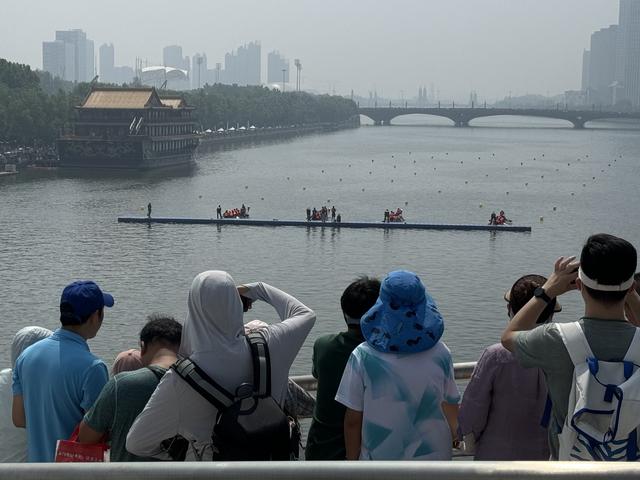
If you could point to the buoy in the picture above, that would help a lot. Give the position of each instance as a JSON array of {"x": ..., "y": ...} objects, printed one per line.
[
  {"x": 322, "y": 171},
  {"x": 507, "y": 193},
  {"x": 304, "y": 188},
  {"x": 480, "y": 206},
  {"x": 363, "y": 189},
  {"x": 414, "y": 162},
  {"x": 246, "y": 186},
  {"x": 394, "y": 166},
  {"x": 415, "y": 173},
  {"x": 340, "y": 179},
  {"x": 554, "y": 209},
  {"x": 406, "y": 203},
  {"x": 572, "y": 194},
  {"x": 349, "y": 165},
  {"x": 261, "y": 198},
  {"x": 439, "y": 191},
  {"x": 466, "y": 182},
  {"x": 521, "y": 163},
  {"x": 541, "y": 176},
  {"x": 541, "y": 219},
  {"x": 199, "y": 196},
  {"x": 392, "y": 180},
  {"x": 372, "y": 159},
  {"x": 584, "y": 184},
  {"x": 369, "y": 172},
  {"x": 593, "y": 178},
  {"x": 526, "y": 184}
]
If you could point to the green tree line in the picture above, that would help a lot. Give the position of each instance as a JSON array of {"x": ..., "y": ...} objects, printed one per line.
[{"x": 35, "y": 108}]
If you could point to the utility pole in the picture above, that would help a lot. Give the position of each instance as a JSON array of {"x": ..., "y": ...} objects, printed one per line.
[{"x": 298, "y": 65}]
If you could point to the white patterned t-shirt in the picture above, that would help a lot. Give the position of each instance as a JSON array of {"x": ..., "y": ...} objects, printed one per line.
[{"x": 400, "y": 396}]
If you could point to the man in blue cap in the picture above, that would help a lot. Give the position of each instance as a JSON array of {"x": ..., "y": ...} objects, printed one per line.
[{"x": 57, "y": 380}]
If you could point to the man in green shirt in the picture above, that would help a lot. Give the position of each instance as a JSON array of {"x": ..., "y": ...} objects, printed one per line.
[
  {"x": 126, "y": 394},
  {"x": 604, "y": 277},
  {"x": 330, "y": 354}
]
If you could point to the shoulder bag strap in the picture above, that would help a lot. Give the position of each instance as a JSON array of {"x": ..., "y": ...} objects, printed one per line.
[
  {"x": 261, "y": 364},
  {"x": 191, "y": 373},
  {"x": 575, "y": 341}
]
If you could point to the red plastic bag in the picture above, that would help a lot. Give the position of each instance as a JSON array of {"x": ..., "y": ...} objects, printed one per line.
[{"x": 72, "y": 451}]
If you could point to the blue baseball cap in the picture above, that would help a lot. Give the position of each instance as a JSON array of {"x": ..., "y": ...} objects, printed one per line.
[
  {"x": 80, "y": 299},
  {"x": 405, "y": 318}
]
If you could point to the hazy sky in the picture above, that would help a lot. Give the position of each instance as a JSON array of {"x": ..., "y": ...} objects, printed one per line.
[{"x": 491, "y": 46}]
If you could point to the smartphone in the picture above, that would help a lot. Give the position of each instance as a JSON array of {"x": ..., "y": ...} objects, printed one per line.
[{"x": 246, "y": 303}]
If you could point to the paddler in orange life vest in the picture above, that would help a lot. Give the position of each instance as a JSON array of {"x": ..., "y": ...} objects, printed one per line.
[{"x": 502, "y": 219}]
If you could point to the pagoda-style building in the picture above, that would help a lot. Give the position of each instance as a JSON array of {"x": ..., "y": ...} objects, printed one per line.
[{"x": 129, "y": 128}]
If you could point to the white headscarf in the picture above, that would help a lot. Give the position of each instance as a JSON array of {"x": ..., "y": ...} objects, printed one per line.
[
  {"x": 214, "y": 318},
  {"x": 26, "y": 337}
]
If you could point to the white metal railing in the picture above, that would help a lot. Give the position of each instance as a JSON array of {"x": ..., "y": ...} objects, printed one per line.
[
  {"x": 462, "y": 372},
  {"x": 323, "y": 471}
]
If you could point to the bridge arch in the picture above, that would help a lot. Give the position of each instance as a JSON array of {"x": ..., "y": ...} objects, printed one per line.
[
  {"x": 407, "y": 119},
  {"x": 522, "y": 121}
]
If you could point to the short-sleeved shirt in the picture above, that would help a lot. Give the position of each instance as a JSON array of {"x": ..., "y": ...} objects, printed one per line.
[
  {"x": 502, "y": 407},
  {"x": 326, "y": 434},
  {"x": 120, "y": 402},
  {"x": 59, "y": 379},
  {"x": 400, "y": 397},
  {"x": 543, "y": 347}
]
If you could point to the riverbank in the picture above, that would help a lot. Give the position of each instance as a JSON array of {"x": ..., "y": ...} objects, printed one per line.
[{"x": 231, "y": 138}]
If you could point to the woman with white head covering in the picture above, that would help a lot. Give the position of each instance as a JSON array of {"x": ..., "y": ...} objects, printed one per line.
[
  {"x": 213, "y": 337},
  {"x": 13, "y": 440}
]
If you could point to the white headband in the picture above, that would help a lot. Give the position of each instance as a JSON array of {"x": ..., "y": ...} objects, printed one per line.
[{"x": 593, "y": 284}]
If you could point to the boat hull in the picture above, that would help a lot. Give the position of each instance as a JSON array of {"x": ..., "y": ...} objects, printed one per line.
[{"x": 118, "y": 154}]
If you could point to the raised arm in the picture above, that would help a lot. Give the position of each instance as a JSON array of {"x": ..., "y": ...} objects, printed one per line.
[{"x": 560, "y": 281}]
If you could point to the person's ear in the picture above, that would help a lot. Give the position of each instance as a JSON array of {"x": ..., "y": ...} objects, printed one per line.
[
  {"x": 143, "y": 347},
  {"x": 578, "y": 284}
]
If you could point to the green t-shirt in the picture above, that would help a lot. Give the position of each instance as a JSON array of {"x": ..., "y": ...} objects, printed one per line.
[
  {"x": 120, "y": 402},
  {"x": 326, "y": 434},
  {"x": 543, "y": 347}
]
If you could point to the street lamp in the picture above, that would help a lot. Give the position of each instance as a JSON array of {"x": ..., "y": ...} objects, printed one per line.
[{"x": 284, "y": 72}]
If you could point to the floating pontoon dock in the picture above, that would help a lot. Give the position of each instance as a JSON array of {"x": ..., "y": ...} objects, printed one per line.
[{"x": 315, "y": 224}]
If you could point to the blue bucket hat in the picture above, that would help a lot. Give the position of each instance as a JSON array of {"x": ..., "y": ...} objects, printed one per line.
[
  {"x": 80, "y": 299},
  {"x": 404, "y": 319}
]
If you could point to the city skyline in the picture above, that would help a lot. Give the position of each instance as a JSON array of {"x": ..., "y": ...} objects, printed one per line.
[{"x": 494, "y": 49}]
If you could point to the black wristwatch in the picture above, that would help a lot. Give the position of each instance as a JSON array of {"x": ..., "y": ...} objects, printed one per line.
[{"x": 542, "y": 295}]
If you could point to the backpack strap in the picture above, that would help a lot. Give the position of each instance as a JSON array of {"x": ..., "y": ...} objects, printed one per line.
[
  {"x": 202, "y": 383},
  {"x": 575, "y": 342},
  {"x": 261, "y": 364},
  {"x": 633, "y": 354}
]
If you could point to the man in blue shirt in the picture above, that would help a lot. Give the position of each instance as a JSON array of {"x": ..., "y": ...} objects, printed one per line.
[{"x": 57, "y": 380}]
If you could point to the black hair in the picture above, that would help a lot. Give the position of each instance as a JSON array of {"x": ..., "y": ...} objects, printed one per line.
[
  {"x": 360, "y": 296},
  {"x": 608, "y": 260},
  {"x": 161, "y": 328},
  {"x": 68, "y": 316},
  {"x": 522, "y": 291},
  {"x": 636, "y": 277}
]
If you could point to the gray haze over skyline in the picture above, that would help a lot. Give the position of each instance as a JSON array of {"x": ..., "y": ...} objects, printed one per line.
[{"x": 491, "y": 46}]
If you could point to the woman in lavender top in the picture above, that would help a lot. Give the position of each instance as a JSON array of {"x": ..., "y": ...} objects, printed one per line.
[{"x": 504, "y": 403}]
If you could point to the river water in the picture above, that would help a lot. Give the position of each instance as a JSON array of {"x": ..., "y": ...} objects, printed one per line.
[{"x": 59, "y": 226}]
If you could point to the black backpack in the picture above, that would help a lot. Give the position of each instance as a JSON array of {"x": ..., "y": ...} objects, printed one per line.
[{"x": 250, "y": 424}]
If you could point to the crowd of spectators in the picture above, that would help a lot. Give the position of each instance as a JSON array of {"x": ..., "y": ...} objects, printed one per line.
[{"x": 386, "y": 388}]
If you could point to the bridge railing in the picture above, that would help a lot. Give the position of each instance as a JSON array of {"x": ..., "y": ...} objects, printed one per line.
[
  {"x": 462, "y": 371},
  {"x": 323, "y": 471}
]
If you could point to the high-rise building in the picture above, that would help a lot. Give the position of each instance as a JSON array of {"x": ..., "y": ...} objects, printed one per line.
[
  {"x": 172, "y": 57},
  {"x": 243, "y": 66},
  {"x": 70, "y": 56},
  {"x": 586, "y": 57},
  {"x": 276, "y": 63},
  {"x": 58, "y": 59},
  {"x": 628, "y": 68},
  {"x": 602, "y": 66},
  {"x": 83, "y": 61},
  {"x": 107, "y": 63}
]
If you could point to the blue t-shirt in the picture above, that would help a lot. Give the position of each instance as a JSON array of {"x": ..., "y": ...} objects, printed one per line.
[{"x": 59, "y": 379}]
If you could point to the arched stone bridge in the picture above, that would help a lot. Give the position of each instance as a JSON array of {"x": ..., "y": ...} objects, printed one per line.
[{"x": 462, "y": 116}]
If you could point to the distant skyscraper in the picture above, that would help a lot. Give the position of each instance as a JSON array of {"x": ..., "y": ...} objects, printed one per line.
[
  {"x": 586, "y": 57},
  {"x": 628, "y": 68},
  {"x": 243, "y": 66},
  {"x": 58, "y": 59},
  {"x": 107, "y": 63},
  {"x": 84, "y": 68},
  {"x": 172, "y": 57},
  {"x": 70, "y": 56},
  {"x": 275, "y": 64},
  {"x": 602, "y": 65}
]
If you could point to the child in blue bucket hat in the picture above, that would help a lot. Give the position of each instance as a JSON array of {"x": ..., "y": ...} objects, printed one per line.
[{"x": 399, "y": 386}]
